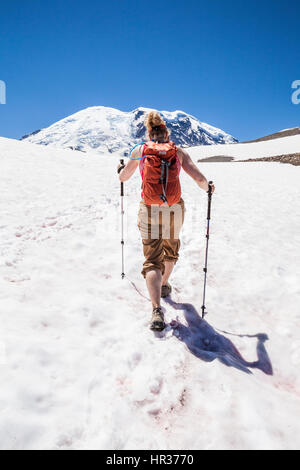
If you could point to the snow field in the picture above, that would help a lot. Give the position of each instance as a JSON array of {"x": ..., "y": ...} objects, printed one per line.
[
  {"x": 240, "y": 151},
  {"x": 80, "y": 368}
]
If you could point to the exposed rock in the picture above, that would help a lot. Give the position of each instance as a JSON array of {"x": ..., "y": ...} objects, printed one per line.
[{"x": 292, "y": 158}]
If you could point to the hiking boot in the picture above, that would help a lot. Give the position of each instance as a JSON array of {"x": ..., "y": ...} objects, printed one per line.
[
  {"x": 166, "y": 290},
  {"x": 157, "y": 320}
]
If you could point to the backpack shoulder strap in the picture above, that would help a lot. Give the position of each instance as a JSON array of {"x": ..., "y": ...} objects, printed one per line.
[
  {"x": 173, "y": 146},
  {"x": 144, "y": 148}
]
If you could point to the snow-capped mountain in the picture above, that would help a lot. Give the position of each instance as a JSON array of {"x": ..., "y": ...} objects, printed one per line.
[{"x": 105, "y": 130}]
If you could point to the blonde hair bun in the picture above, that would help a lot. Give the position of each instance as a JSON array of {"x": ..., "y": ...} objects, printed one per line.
[{"x": 154, "y": 119}]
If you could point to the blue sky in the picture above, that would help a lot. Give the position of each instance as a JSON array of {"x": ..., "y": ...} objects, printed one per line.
[{"x": 229, "y": 63}]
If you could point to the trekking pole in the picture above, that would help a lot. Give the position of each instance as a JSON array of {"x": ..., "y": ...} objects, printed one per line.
[
  {"x": 209, "y": 192},
  {"x": 122, "y": 222}
]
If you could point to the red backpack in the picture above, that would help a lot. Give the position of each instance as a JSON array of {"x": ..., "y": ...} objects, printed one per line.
[{"x": 161, "y": 174}]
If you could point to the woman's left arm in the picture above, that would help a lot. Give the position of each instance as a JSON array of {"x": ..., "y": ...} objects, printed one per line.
[{"x": 130, "y": 166}]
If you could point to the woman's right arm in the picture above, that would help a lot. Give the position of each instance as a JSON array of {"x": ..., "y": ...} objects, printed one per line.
[{"x": 192, "y": 170}]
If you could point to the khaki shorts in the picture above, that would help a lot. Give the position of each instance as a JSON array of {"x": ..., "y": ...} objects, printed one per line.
[{"x": 159, "y": 227}]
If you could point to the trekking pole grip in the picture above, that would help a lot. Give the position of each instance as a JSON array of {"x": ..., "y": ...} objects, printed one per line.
[
  {"x": 209, "y": 192},
  {"x": 122, "y": 184}
]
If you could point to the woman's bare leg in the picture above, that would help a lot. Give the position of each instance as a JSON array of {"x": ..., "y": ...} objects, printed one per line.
[
  {"x": 169, "y": 266},
  {"x": 154, "y": 282}
]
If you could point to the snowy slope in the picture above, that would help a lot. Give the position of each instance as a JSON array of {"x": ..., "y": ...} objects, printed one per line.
[
  {"x": 103, "y": 129},
  {"x": 240, "y": 151},
  {"x": 79, "y": 367}
]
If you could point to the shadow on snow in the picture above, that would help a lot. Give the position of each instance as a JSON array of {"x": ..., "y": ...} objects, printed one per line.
[{"x": 206, "y": 344}]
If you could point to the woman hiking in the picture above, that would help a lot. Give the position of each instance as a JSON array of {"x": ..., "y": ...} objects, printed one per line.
[{"x": 161, "y": 211}]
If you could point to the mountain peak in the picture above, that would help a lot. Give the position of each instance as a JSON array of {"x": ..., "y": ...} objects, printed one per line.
[{"x": 105, "y": 129}]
